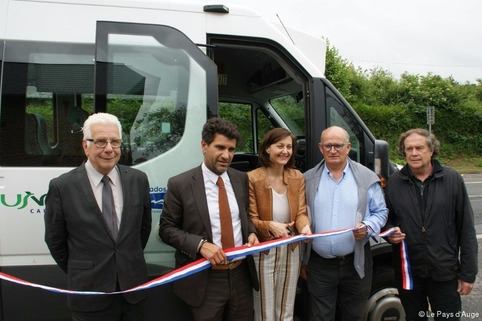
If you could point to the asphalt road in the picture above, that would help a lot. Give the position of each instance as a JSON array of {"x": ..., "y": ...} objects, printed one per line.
[{"x": 471, "y": 304}]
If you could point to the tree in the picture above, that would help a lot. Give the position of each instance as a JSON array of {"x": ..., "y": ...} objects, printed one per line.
[{"x": 390, "y": 106}]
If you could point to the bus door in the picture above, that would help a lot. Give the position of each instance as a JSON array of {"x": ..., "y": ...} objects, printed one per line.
[
  {"x": 156, "y": 81},
  {"x": 162, "y": 88},
  {"x": 260, "y": 87}
]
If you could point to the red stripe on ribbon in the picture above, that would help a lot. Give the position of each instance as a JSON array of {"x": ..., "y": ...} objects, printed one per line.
[{"x": 193, "y": 267}]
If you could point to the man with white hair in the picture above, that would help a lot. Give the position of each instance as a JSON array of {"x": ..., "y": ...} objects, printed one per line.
[{"x": 97, "y": 223}]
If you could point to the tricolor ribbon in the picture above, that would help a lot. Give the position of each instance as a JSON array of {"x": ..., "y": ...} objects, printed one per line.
[
  {"x": 195, "y": 266},
  {"x": 407, "y": 281}
]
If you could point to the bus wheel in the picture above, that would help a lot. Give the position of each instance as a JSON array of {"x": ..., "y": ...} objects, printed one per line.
[{"x": 385, "y": 305}]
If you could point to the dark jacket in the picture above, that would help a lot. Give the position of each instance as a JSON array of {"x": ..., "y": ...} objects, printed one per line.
[
  {"x": 437, "y": 236},
  {"x": 185, "y": 221},
  {"x": 82, "y": 245}
]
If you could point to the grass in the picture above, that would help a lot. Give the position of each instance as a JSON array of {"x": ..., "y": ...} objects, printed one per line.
[{"x": 464, "y": 164}]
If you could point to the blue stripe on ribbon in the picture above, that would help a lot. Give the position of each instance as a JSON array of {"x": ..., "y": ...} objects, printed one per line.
[{"x": 193, "y": 267}]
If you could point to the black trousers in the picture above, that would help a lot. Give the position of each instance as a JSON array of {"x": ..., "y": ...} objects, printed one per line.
[
  {"x": 229, "y": 296},
  {"x": 445, "y": 302},
  {"x": 118, "y": 310},
  {"x": 329, "y": 279}
]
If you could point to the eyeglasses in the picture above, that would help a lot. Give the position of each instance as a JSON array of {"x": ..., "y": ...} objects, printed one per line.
[
  {"x": 101, "y": 143},
  {"x": 337, "y": 147}
]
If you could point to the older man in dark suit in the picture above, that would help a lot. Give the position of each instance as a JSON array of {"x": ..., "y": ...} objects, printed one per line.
[
  {"x": 192, "y": 222},
  {"x": 97, "y": 223}
]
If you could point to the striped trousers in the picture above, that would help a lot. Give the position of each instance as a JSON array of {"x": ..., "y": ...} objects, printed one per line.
[{"x": 278, "y": 273}]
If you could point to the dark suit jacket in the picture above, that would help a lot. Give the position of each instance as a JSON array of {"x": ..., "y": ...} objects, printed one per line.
[
  {"x": 80, "y": 242},
  {"x": 185, "y": 221}
]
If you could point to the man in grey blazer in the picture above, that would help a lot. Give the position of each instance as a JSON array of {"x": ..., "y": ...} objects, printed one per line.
[
  {"x": 100, "y": 252},
  {"x": 190, "y": 222}
]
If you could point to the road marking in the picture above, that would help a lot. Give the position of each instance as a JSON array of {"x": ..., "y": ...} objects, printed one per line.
[
  {"x": 473, "y": 183},
  {"x": 475, "y": 196}
]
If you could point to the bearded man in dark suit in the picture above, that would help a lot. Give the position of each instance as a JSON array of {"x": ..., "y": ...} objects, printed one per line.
[
  {"x": 190, "y": 222},
  {"x": 97, "y": 223}
]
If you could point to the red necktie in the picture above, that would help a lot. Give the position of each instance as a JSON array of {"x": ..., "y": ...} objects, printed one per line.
[{"x": 227, "y": 238}]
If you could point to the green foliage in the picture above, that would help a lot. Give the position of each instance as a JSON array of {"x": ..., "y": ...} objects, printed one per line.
[
  {"x": 292, "y": 112},
  {"x": 153, "y": 135},
  {"x": 126, "y": 110},
  {"x": 238, "y": 114},
  {"x": 343, "y": 75},
  {"x": 390, "y": 106}
]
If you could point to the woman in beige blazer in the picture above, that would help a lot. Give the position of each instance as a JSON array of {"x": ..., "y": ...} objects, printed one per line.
[{"x": 277, "y": 209}]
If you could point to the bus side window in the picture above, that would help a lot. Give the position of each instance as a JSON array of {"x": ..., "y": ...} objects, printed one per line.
[
  {"x": 239, "y": 114},
  {"x": 252, "y": 132},
  {"x": 40, "y": 80},
  {"x": 340, "y": 116},
  {"x": 70, "y": 119},
  {"x": 154, "y": 79},
  {"x": 36, "y": 141}
]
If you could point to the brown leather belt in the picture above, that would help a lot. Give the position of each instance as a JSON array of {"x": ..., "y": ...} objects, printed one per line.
[{"x": 230, "y": 266}]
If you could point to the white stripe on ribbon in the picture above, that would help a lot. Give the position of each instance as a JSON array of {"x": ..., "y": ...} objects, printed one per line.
[
  {"x": 195, "y": 266},
  {"x": 407, "y": 281}
]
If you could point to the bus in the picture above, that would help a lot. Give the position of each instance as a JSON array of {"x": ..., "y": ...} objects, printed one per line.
[{"x": 163, "y": 68}]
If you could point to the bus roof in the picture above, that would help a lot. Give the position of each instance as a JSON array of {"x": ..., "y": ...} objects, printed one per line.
[{"x": 75, "y": 21}]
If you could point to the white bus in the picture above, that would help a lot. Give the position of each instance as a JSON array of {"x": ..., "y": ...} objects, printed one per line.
[{"x": 164, "y": 68}]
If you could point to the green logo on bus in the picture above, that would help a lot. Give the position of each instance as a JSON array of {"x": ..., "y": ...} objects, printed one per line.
[{"x": 21, "y": 201}]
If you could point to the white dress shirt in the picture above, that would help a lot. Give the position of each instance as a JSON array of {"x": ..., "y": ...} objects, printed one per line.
[{"x": 212, "y": 191}]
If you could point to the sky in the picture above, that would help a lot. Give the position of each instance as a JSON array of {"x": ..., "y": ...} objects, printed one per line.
[{"x": 441, "y": 37}]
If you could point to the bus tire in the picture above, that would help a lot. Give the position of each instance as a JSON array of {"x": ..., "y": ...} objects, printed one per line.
[{"x": 384, "y": 303}]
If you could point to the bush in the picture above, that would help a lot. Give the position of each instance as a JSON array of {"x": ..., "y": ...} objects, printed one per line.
[{"x": 391, "y": 106}]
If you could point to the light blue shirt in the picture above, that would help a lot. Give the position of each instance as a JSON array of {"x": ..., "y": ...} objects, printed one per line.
[
  {"x": 370, "y": 209},
  {"x": 335, "y": 208}
]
